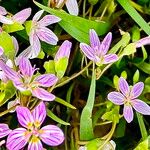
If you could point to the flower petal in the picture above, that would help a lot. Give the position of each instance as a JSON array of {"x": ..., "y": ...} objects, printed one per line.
[
  {"x": 35, "y": 144},
  {"x": 47, "y": 35},
  {"x": 89, "y": 52},
  {"x": 64, "y": 50},
  {"x": 116, "y": 97},
  {"x": 5, "y": 20},
  {"x": 11, "y": 74},
  {"x": 128, "y": 113},
  {"x": 43, "y": 94},
  {"x": 106, "y": 43},
  {"x": 94, "y": 40},
  {"x": 51, "y": 135},
  {"x": 143, "y": 41},
  {"x": 110, "y": 58},
  {"x": 123, "y": 86},
  {"x": 4, "y": 130},
  {"x": 46, "y": 80},
  {"x": 37, "y": 16},
  {"x": 1, "y": 51},
  {"x": 48, "y": 20},
  {"x": 25, "y": 67},
  {"x": 141, "y": 107},
  {"x": 39, "y": 114},
  {"x": 24, "y": 117},
  {"x": 3, "y": 11},
  {"x": 35, "y": 45},
  {"x": 72, "y": 7},
  {"x": 22, "y": 15},
  {"x": 137, "y": 90},
  {"x": 17, "y": 139},
  {"x": 16, "y": 45}
]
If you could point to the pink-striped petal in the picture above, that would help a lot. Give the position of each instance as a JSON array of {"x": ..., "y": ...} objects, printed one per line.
[
  {"x": 25, "y": 117},
  {"x": 39, "y": 114},
  {"x": 4, "y": 130},
  {"x": 16, "y": 45},
  {"x": 94, "y": 41},
  {"x": 35, "y": 45},
  {"x": 116, "y": 97},
  {"x": 143, "y": 41},
  {"x": 110, "y": 58},
  {"x": 47, "y": 35},
  {"x": 141, "y": 107},
  {"x": 17, "y": 139},
  {"x": 35, "y": 144},
  {"x": 46, "y": 80},
  {"x": 124, "y": 87},
  {"x": 128, "y": 113},
  {"x": 5, "y": 20},
  {"x": 64, "y": 50},
  {"x": 43, "y": 94},
  {"x": 106, "y": 43},
  {"x": 25, "y": 67},
  {"x": 10, "y": 73},
  {"x": 2, "y": 11},
  {"x": 1, "y": 51},
  {"x": 48, "y": 20},
  {"x": 137, "y": 90},
  {"x": 37, "y": 16},
  {"x": 51, "y": 135},
  {"x": 22, "y": 15},
  {"x": 72, "y": 7},
  {"x": 89, "y": 52}
]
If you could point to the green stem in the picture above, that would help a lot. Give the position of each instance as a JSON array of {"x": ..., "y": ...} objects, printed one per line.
[
  {"x": 109, "y": 136},
  {"x": 142, "y": 126},
  {"x": 74, "y": 76}
]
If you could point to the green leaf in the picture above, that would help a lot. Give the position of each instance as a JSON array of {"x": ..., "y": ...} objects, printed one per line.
[
  {"x": 144, "y": 145},
  {"x": 112, "y": 115},
  {"x": 121, "y": 44},
  {"x": 61, "y": 101},
  {"x": 96, "y": 143},
  {"x": 124, "y": 74},
  {"x": 135, "y": 15},
  {"x": 55, "y": 118},
  {"x": 129, "y": 49},
  {"x": 136, "y": 76},
  {"x": 135, "y": 34},
  {"x": 76, "y": 26},
  {"x": 61, "y": 66},
  {"x": 86, "y": 126},
  {"x": 28, "y": 25},
  {"x": 49, "y": 66},
  {"x": 9, "y": 92},
  {"x": 145, "y": 67},
  {"x": 7, "y": 43},
  {"x": 9, "y": 28}
]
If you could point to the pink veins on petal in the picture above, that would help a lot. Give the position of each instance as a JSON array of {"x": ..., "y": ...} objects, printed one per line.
[
  {"x": 129, "y": 97},
  {"x": 97, "y": 51},
  {"x": 24, "y": 80},
  {"x": 31, "y": 132},
  {"x": 39, "y": 31}
]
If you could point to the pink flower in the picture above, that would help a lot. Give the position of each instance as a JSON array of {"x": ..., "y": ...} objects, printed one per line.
[
  {"x": 21, "y": 16},
  {"x": 31, "y": 133},
  {"x": 4, "y": 19},
  {"x": 71, "y": 5},
  {"x": 129, "y": 98},
  {"x": 96, "y": 51},
  {"x": 4, "y": 131},
  {"x": 23, "y": 80},
  {"x": 39, "y": 31}
]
